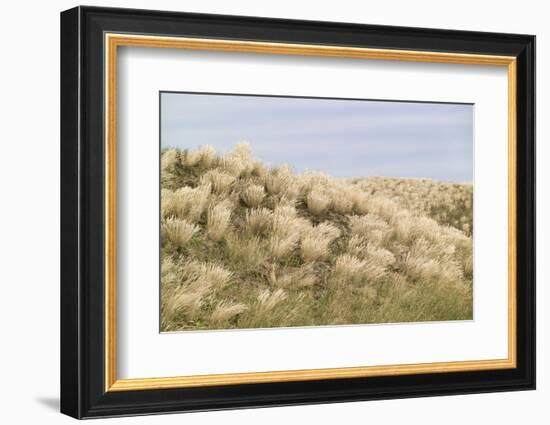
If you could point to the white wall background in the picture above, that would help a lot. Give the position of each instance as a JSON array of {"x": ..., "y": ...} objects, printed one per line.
[{"x": 29, "y": 224}]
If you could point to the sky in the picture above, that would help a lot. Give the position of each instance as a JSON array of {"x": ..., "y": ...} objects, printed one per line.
[{"x": 342, "y": 138}]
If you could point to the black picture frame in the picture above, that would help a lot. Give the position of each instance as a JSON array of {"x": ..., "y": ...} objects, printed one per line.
[{"x": 83, "y": 392}]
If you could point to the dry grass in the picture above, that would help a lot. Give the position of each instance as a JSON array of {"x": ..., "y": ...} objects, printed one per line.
[
  {"x": 253, "y": 195},
  {"x": 245, "y": 246},
  {"x": 177, "y": 231},
  {"x": 315, "y": 241},
  {"x": 218, "y": 220},
  {"x": 317, "y": 202}
]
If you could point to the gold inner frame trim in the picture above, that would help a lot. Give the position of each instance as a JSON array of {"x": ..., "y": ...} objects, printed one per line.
[{"x": 113, "y": 41}]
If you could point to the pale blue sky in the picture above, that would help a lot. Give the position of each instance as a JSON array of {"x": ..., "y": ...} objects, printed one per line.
[{"x": 343, "y": 138}]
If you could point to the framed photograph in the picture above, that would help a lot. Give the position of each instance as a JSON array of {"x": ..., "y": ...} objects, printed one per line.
[{"x": 261, "y": 212}]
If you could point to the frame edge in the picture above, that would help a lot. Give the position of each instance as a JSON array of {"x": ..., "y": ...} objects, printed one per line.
[
  {"x": 526, "y": 181},
  {"x": 70, "y": 349}
]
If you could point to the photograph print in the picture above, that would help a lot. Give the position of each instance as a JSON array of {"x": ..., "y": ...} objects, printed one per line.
[{"x": 280, "y": 211}]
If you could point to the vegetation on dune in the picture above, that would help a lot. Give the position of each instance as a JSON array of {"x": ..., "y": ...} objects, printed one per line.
[{"x": 245, "y": 245}]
